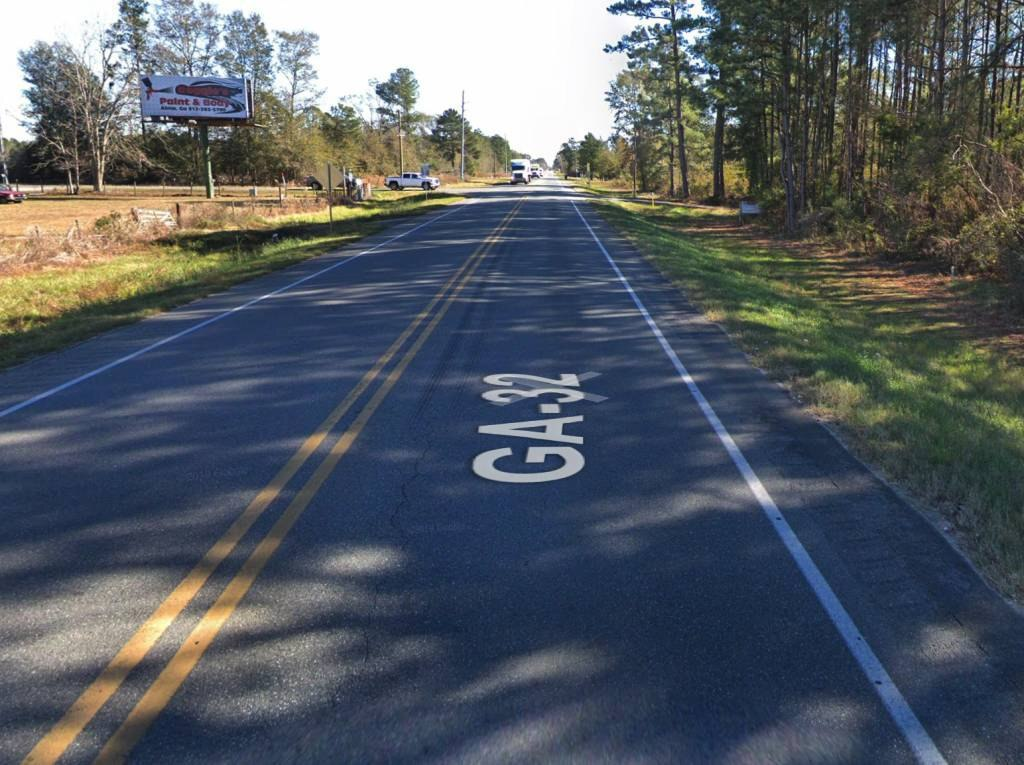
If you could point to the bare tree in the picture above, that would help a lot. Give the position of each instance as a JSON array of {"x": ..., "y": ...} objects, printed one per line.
[
  {"x": 79, "y": 98},
  {"x": 188, "y": 33},
  {"x": 99, "y": 84}
]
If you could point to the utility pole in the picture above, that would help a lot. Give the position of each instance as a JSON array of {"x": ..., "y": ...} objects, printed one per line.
[
  {"x": 3, "y": 154},
  {"x": 462, "y": 156},
  {"x": 634, "y": 160},
  {"x": 401, "y": 145}
]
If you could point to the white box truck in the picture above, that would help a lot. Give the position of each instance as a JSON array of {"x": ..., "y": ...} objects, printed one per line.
[{"x": 520, "y": 171}]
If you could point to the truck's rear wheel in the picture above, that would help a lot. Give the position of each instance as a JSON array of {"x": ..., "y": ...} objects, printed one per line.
[
  {"x": 393, "y": 185},
  {"x": 426, "y": 186}
]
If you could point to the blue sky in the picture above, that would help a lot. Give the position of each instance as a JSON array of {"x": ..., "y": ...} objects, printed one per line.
[{"x": 532, "y": 69}]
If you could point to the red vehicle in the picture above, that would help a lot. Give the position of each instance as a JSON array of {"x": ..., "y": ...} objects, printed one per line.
[{"x": 7, "y": 194}]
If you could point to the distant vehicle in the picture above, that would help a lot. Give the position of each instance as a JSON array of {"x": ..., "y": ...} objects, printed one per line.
[
  {"x": 412, "y": 181},
  {"x": 7, "y": 194},
  {"x": 536, "y": 172},
  {"x": 520, "y": 171},
  {"x": 312, "y": 183}
]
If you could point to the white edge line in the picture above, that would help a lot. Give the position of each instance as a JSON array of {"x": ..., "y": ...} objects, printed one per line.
[
  {"x": 206, "y": 322},
  {"x": 913, "y": 731}
]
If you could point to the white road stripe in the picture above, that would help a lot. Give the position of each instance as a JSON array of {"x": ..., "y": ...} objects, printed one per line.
[
  {"x": 913, "y": 731},
  {"x": 207, "y": 322}
]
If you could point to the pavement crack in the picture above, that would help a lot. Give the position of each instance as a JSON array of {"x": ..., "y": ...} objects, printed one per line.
[{"x": 405, "y": 501}]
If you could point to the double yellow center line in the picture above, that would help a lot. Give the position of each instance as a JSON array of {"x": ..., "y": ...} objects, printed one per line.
[{"x": 53, "y": 745}]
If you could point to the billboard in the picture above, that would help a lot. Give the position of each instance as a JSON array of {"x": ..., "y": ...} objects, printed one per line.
[{"x": 176, "y": 99}]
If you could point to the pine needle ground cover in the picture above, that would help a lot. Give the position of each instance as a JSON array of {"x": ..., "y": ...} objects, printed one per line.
[
  {"x": 42, "y": 311},
  {"x": 922, "y": 381}
]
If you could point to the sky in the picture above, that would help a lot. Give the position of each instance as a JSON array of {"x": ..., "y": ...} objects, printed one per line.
[{"x": 533, "y": 70}]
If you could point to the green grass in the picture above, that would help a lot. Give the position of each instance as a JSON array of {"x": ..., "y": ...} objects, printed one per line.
[
  {"x": 616, "y": 189},
  {"x": 474, "y": 183},
  {"x": 911, "y": 385},
  {"x": 47, "y": 310},
  {"x": 605, "y": 188}
]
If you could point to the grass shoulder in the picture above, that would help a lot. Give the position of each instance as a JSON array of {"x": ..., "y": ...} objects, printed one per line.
[
  {"x": 46, "y": 310},
  {"x": 604, "y": 188},
  {"x": 475, "y": 183},
  {"x": 901, "y": 362}
]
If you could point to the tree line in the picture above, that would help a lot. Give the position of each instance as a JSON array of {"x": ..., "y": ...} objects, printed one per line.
[
  {"x": 84, "y": 120},
  {"x": 897, "y": 123}
]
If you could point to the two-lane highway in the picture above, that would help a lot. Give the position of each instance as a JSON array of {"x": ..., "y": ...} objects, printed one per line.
[{"x": 490, "y": 491}]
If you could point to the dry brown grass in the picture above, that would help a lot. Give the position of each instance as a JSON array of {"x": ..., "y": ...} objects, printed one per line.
[
  {"x": 218, "y": 214},
  {"x": 51, "y": 213},
  {"x": 60, "y": 230},
  {"x": 112, "y": 236},
  {"x": 55, "y": 212}
]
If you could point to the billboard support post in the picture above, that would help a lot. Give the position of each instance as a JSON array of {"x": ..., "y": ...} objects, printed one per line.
[
  {"x": 330, "y": 198},
  {"x": 204, "y": 141},
  {"x": 401, "y": 146},
  {"x": 198, "y": 102}
]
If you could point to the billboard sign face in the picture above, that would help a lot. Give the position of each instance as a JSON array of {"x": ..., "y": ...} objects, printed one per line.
[{"x": 195, "y": 98}]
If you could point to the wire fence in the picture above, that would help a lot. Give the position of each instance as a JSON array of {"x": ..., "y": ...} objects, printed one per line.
[
  {"x": 36, "y": 188},
  {"x": 119, "y": 231}
]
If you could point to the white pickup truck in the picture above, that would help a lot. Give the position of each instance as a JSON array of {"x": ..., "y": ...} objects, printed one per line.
[{"x": 412, "y": 181}]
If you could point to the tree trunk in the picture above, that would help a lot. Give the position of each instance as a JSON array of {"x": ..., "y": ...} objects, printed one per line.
[
  {"x": 833, "y": 93},
  {"x": 763, "y": 171},
  {"x": 99, "y": 164},
  {"x": 983, "y": 74},
  {"x": 1018, "y": 62},
  {"x": 634, "y": 160},
  {"x": 966, "y": 42},
  {"x": 78, "y": 174},
  {"x": 684, "y": 174},
  {"x": 718, "y": 158},
  {"x": 772, "y": 122},
  {"x": 671, "y": 166},
  {"x": 98, "y": 173},
  {"x": 996, "y": 59},
  {"x": 804, "y": 99},
  {"x": 785, "y": 133},
  {"x": 940, "y": 85}
]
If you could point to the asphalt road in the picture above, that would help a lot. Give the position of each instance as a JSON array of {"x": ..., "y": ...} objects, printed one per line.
[{"x": 490, "y": 491}]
